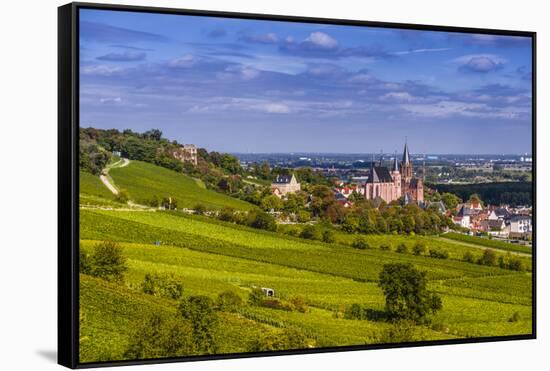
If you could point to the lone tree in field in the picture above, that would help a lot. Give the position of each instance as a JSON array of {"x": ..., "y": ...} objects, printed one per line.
[
  {"x": 406, "y": 294},
  {"x": 107, "y": 261},
  {"x": 200, "y": 311}
]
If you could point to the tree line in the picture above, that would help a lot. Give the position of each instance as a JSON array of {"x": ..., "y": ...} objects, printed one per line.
[{"x": 503, "y": 193}]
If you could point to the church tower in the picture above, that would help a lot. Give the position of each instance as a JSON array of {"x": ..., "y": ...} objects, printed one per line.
[
  {"x": 396, "y": 176},
  {"x": 406, "y": 169}
]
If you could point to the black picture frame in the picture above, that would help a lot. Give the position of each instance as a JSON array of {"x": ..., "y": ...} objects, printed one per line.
[{"x": 68, "y": 181}]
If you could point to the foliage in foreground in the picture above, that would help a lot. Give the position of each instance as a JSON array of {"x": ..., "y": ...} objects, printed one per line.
[
  {"x": 407, "y": 296},
  {"x": 159, "y": 337},
  {"x": 107, "y": 261},
  {"x": 200, "y": 311}
]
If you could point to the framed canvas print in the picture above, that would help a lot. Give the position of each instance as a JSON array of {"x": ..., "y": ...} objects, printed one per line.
[{"x": 237, "y": 185}]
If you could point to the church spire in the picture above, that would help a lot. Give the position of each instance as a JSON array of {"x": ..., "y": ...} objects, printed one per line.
[
  {"x": 395, "y": 163},
  {"x": 406, "y": 157}
]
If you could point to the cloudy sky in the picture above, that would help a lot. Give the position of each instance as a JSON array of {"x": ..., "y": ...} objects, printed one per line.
[{"x": 264, "y": 86}]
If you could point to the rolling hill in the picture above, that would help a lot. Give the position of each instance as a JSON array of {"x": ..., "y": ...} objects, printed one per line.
[
  {"x": 144, "y": 182},
  {"x": 212, "y": 256}
]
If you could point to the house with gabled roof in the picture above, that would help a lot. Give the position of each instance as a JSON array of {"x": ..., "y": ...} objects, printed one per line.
[{"x": 285, "y": 184}]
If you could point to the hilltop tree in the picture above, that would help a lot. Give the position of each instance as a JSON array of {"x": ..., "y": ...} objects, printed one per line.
[
  {"x": 406, "y": 294},
  {"x": 153, "y": 134}
]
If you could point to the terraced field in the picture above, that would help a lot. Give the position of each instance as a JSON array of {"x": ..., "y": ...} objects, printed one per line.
[
  {"x": 212, "y": 256},
  {"x": 144, "y": 181}
]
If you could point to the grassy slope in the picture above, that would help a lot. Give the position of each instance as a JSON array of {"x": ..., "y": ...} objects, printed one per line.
[
  {"x": 143, "y": 181},
  {"x": 211, "y": 257},
  {"x": 456, "y": 249},
  {"x": 494, "y": 244},
  {"x": 109, "y": 313},
  {"x": 261, "y": 246},
  {"x": 94, "y": 192}
]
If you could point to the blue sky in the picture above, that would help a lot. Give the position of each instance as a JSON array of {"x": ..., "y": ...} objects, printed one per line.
[{"x": 263, "y": 86}]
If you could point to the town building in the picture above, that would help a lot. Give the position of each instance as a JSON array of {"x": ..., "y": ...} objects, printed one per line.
[
  {"x": 392, "y": 184},
  {"x": 186, "y": 153},
  {"x": 285, "y": 184},
  {"x": 494, "y": 227},
  {"x": 520, "y": 226}
]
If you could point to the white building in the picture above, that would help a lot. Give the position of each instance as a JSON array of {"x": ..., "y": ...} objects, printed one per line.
[
  {"x": 462, "y": 221},
  {"x": 186, "y": 153},
  {"x": 285, "y": 184},
  {"x": 520, "y": 226}
]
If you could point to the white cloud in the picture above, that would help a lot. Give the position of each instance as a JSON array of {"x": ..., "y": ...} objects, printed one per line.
[
  {"x": 184, "y": 62},
  {"x": 480, "y": 62},
  {"x": 323, "y": 40},
  {"x": 242, "y": 72},
  {"x": 362, "y": 78},
  {"x": 110, "y": 100},
  {"x": 101, "y": 70},
  {"x": 248, "y": 73},
  {"x": 398, "y": 96},
  {"x": 427, "y": 50},
  {"x": 276, "y": 108},
  {"x": 445, "y": 109}
]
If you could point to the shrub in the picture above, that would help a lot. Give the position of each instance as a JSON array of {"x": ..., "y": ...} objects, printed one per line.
[
  {"x": 310, "y": 232},
  {"x": 154, "y": 201},
  {"x": 277, "y": 304},
  {"x": 162, "y": 285},
  {"x": 299, "y": 304},
  {"x": 419, "y": 248},
  {"x": 439, "y": 254},
  {"x": 354, "y": 311},
  {"x": 261, "y": 220},
  {"x": 226, "y": 214},
  {"x": 85, "y": 262},
  {"x": 402, "y": 248},
  {"x": 468, "y": 257},
  {"x": 199, "y": 310},
  {"x": 406, "y": 293},
  {"x": 400, "y": 332},
  {"x": 256, "y": 296},
  {"x": 107, "y": 262},
  {"x": 489, "y": 257},
  {"x": 303, "y": 216},
  {"x": 515, "y": 264},
  {"x": 292, "y": 231},
  {"x": 328, "y": 236},
  {"x": 200, "y": 209},
  {"x": 122, "y": 196},
  {"x": 515, "y": 317},
  {"x": 157, "y": 337},
  {"x": 290, "y": 338},
  {"x": 360, "y": 243},
  {"x": 228, "y": 301},
  {"x": 510, "y": 262},
  {"x": 169, "y": 203}
]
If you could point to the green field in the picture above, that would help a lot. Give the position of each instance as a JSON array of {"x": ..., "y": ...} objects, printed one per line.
[
  {"x": 94, "y": 193},
  {"x": 212, "y": 256},
  {"x": 145, "y": 181},
  {"x": 455, "y": 248},
  {"x": 494, "y": 244}
]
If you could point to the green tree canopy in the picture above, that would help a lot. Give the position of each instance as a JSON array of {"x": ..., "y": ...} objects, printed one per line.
[{"x": 406, "y": 294}]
